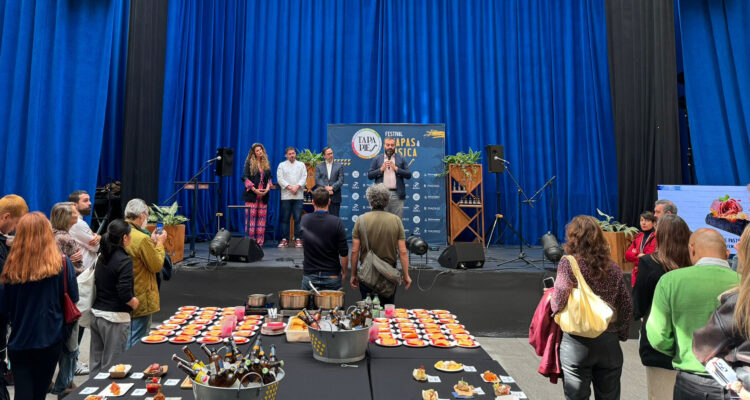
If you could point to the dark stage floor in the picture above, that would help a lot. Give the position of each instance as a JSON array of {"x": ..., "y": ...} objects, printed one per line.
[{"x": 493, "y": 301}]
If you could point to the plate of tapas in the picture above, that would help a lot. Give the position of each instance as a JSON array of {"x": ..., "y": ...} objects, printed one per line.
[
  {"x": 188, "y": 308},
  {"x": 467, "y": 343},
  {"x": 388, "y": 342},
  {"x": 119, "y": 371},
  {"x": 182, "y": 339},
  {"x": 241, "y": 339},
  {"x": 175, "y": 321},
  {"x": 202, "y": 321},
  {"x": 183, "y": 315},
  {"x": 155, "y": 370},
  {"x": 244, "y": 333},
  {"x": 168, "y": 327},
  {"x": 419, "y": 374},
  {"x": 449, "y": 366},
  {"x": 444, "y": 343},
  {"x": 154, "y": 339},
  {"x": 189, "y": 332},
  {"x": 416, "y": 343},
  {"x": 161, "y": 332},
  {"x": 490, "y": 377},
  {"x": 116, "y": 390},
  {"x": 210, "y": 340}
]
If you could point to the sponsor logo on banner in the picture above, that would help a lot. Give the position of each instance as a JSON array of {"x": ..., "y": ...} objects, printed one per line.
[
  {"x": 415, "y": 196},
  {"x": 355, "y": 174},
  {"x": 415, "y": 186},
  {"x": 416, "y": 208},
  {"x": 355, "y": 185},
  {"x": 431, "y": 197},
  {"x": 433, "y": 220},
  {"x": 355, "y": 196},
  {"x": 426, "y": 185},
  {"x": 416, "y": 231},
  {"x": 415, "y": 174},
  {"x": 432, "y": 231},
  {"x": 355, "y": 207},
  {"x": 354, "y": 218},
  {"x": 366, "y": 143},
  {"x": 433, "y": 208},
  {"x": 416, "y": 219}
]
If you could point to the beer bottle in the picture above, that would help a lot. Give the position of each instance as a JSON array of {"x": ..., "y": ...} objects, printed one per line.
[
  {"x": 198, "y": 376},
  {"x": 189, "y": 354}
]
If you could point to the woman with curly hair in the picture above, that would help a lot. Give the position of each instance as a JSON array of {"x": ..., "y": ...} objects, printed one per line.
[
  {"x": 592, "y": 360},
  {"x": 34, "y": 277},
  {"x": 257, "y": 178}
]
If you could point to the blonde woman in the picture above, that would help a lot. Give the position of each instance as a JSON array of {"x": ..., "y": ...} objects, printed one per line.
[{"x": 257, "y": 179}]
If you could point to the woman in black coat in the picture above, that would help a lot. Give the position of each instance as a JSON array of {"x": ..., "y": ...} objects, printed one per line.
[{"x": 115, "y": 298}]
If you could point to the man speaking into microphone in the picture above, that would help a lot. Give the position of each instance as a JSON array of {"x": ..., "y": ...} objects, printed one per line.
[{"x": 391, "y": 170}]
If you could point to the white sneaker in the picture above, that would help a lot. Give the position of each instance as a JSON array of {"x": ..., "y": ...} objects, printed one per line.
[
  {"x": 82, "y": 368},
  {"x": 283, "y": 243}
]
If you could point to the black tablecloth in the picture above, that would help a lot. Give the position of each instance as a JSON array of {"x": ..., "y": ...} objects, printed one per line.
[
  {"x": 306, "y": 378},
  {"x": 393, "y": 380},
  {"x": 375, "y": 351}
]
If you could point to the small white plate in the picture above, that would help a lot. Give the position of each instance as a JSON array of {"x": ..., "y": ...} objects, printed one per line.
[
  {"x": 379, "y": 343},
  {"x": 424, "y": 341},
  {"x": 164, "y": 339},
  {"x": 448, "y": 370},
  {"x": 124, "y": 387},
  {"x": 450, "y": 342},
  {"x": 119, "y": 375},
  {"x": 476, "y": 344},
  {"x": 172, "y": 340},
  {"x": 202, "y": 340}
]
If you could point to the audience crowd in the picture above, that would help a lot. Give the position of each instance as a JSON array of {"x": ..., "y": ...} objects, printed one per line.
[{"x": 693, "y": 307}]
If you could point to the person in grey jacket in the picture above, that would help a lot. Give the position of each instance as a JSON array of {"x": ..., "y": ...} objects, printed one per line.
[{"x": 330, "y": 176}]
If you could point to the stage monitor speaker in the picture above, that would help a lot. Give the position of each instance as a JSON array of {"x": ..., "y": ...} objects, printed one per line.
[
  {"x": 462, "y": 256},
  {"x": 494, "y": 165},
  {"x": 224, "y": 166},
  {"x": 244, "y": 250}
]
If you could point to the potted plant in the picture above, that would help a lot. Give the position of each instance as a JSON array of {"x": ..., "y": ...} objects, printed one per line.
[
  {"x": 174, "y": 225},
  {"x": 311, "y": 160},
  {"x": 619, "y": 236},
  {"x": 464, "y": 168}
]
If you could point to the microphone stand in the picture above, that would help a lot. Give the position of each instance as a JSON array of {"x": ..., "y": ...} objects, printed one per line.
[
  {"x": 192, "y": 181},
  {"x": 521, "y": 254}
]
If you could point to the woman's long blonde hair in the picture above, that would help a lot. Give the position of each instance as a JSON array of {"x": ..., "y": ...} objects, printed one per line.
[
  {"x": 741, "y": 316},
  {"x": 264, "y": 165},
  {"x": 34, "y": 255}
]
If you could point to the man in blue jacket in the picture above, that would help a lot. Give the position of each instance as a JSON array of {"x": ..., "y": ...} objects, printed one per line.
[
  {"x": 330, "y": 176},
  {"x": 391, "y": 169}
]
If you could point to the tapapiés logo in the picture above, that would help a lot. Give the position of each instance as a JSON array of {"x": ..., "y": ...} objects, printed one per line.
[{"x": 366, "y": 143}]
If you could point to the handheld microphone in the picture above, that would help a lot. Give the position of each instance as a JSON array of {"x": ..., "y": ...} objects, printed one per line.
[
  {"x": 502, "y": 160},
  {"x": 214, "y": 159}
]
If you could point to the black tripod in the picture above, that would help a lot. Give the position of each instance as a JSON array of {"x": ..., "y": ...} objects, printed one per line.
[
  {"x": 194, "y": 182},
  {"x": 530, "y": 202}
]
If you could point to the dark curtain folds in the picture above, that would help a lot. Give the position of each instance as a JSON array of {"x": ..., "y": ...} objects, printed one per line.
[
  {"x": 530, "y": 76},
  {"x": 716, "y": 57},
  {"x": 141, "y": 138},
  {"x": 58, "y": 60},
  {"x": 643, "y": 81}
]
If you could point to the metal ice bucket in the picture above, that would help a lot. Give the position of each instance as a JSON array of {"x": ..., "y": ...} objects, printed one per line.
[
  {"x": 253, "y": 392},
  {"x": 339, "y": 346}
]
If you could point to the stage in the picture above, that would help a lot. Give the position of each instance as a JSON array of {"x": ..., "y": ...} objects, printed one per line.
[{"x": 495, "y": 301}]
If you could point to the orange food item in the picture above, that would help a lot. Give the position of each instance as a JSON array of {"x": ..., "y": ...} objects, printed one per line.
[
  {"x": 213, "y": 333},
  {"x": 176, "y": 321},
  {"x": 460, "y": 336},
  {"x": 160, "y": 332},
  {"x": 433, "y": 331},
  {"x": 114, "y": 388},
  {"x": 432, "y": 326},
  {"x": 190, "y": 332},
  {"x": 183, "y": 338},
  {"x": 211, "y": 339},
  {"x": 415, "y": 342},
  {"x": 154, "y": 338},
  {"x": 489, "y": 376},
  {"x": 408, "y": 330},
  {"x": 409, "y": 335},
  {"x": 459, "y": 332},
  {"x": 248, "y": 333},
  {"x": 441, "y": 343},
  {"x": 466, "y": 342},
  {"x": 386, "y": 341},
  {"x": 241, "y": 340}
]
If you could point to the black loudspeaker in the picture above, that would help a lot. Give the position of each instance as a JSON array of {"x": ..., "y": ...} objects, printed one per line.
[
  {"x": 494, "y": 165},
  {"x": 224, "y": 166},
  {"x": 244, "y": 250},
  {"x": 462, "y": 256}
]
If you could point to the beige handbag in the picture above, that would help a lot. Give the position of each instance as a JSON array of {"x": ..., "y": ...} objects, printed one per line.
[{"x": 586, "y": 314}]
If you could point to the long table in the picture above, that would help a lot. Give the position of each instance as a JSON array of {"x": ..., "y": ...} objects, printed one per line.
[{"x": 384, "y": 374}]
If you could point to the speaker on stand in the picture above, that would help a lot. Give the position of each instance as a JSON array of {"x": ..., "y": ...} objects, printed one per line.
[{"x": 224, "y": 168}]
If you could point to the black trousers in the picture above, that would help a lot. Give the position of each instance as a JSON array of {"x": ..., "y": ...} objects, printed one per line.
[
  {"x": 33, "y": 371},
  {"x": 334, "y": 208},
  {"x": 586, "y": 361},
  {"x": 697, "y": 387}
]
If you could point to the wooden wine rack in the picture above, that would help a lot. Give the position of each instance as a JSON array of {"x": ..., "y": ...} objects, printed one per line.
[{"x": 465, "y": 202}]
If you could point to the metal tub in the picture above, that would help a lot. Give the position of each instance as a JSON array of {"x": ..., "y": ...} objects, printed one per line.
[
  {"x": 257, "y": 392},
  {"x": 339, "y": 346}
]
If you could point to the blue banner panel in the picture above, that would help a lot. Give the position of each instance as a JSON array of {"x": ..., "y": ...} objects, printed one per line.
[{"x": 423, "y": 147}]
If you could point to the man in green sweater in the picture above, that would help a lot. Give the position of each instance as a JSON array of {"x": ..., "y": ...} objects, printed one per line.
[{"x": 683, "y": 302}]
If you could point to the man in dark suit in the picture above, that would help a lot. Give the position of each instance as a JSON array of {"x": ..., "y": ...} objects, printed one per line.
[
  {"x": 330, "y": 176},
  {"x": 391, "y": 169}
]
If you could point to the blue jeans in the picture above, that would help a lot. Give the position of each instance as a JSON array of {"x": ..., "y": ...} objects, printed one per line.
[
  {"x": 322, "y": 281},
  {"x": 67, "y": 362},
  {"x": 139, "y": 328},
  {"x": 293, "y": 208}
]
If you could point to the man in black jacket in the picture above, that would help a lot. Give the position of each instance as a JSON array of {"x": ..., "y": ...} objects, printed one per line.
[
  {"x": 391, "y": 169},
  {"x": 330, "y": 176},
  {"x": 326, "y": 253}
]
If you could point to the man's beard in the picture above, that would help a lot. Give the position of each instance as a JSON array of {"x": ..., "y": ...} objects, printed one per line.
[
  {"x": 85, "y": 211},
  {"x": 389, "y": 152}
]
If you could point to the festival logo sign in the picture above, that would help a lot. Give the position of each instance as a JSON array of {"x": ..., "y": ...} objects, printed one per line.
[{"x": 366, "y": 143}]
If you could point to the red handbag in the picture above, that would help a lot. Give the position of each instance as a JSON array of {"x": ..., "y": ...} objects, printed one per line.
[{"x": 70, "y": 310}]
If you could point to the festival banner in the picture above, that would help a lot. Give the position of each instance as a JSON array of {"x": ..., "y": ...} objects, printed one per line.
[{"x": 423, "y": 147}]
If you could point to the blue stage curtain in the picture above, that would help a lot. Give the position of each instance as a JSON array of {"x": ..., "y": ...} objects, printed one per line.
[
  {"x": 56, "y": 64},
  {"x": 528, "y": 75},
  {"x": 716, "y": 56}
]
